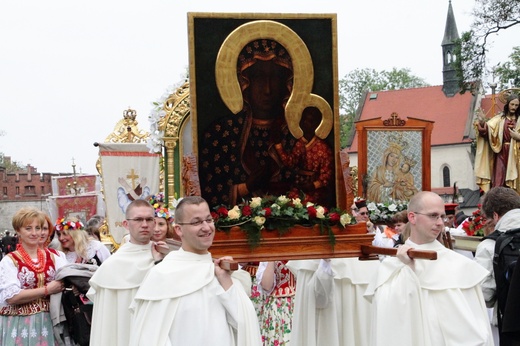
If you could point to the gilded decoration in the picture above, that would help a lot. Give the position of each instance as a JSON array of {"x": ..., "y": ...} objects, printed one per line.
[
  {"x": 125, "y": 131},
  {"x": 301, "y": 97},
  {"x": 177, "y": 108}
]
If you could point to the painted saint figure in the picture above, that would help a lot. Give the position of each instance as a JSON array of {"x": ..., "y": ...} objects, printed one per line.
[
  {"x": 382, "y": 184},
  {"x": 312, "y": 159},
  {"x": 404, "y": 186},
  {"x": 238, "y": 159}
]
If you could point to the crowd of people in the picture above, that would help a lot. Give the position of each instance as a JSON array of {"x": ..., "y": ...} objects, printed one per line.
[{"x": 146, "y": 294}]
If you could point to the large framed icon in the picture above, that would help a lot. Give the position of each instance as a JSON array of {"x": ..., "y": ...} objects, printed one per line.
[
  {"x": 394, "y": 158},
  {"x": 262, "y": 86}
]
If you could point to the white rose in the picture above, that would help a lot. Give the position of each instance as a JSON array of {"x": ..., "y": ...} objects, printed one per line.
[
  {"x": 320, "y": 212},
  {"x": 297, "y": 202},
  {"x": 234, "y": 213},
  {"x": 283, "y": 200},
  {"x": 259, "y": 220},
  {"x": 371, "y": 206},
  {"x": 345, "y": 219},
  {"x": 392, "y": 207},
  {"x": 255, "y": 202}
]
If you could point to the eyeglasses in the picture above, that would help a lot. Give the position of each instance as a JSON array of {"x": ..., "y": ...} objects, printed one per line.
[
  {"x": 141, "y": 219},
  {"x": 209, "y": 220},
  {"x": 433, "y": 216},
  {"x": 363, "y": 213}
]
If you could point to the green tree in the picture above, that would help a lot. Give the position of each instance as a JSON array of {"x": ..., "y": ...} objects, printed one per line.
[
  {"x": 490, "y": 17},
  {"x": 353, "y": 86},
  {"x": 11, "y": 166},
  {"x": 509, "y": 71}
]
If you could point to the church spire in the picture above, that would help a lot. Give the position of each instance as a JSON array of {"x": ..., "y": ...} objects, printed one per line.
[{"x": 449, "y": 75}]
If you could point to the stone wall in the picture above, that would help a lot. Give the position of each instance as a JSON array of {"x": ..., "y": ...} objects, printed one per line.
[{"x": 9, "y": 208}]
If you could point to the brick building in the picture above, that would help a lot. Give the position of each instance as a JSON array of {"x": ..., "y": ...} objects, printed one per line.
[
  {"x": 26, "y": 188},
  {"x": 26, "y": 185}
]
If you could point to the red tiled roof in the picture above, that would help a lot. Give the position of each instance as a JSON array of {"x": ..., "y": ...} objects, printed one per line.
[
  {"x": 450, "y": 114},
  {"x": 487, "y": 104}
]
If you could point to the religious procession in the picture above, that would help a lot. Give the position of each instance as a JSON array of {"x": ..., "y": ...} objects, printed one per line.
[{"x": 237, "y": 220}]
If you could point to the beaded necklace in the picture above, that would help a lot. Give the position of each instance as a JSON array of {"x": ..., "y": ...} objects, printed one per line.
[{"x": 36, "y": 267}]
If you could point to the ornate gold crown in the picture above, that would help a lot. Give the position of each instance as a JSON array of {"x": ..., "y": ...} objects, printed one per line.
[
  {"x": 397, "y": 143},
  {"x": 409, "y": 161}
]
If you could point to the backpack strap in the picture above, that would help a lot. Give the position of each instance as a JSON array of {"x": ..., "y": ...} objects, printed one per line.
[{"x": 493, "y": 236}]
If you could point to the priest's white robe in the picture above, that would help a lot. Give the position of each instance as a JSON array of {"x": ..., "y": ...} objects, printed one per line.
[
  {"x": 112, "y": 289},
  {"x": 330, "y": 308},
  {"x": 440, "y": 303},
  {"x": 181, "y": 302}
]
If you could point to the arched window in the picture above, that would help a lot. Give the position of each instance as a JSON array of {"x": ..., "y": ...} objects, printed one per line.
[{"x": 446, "y": 176}]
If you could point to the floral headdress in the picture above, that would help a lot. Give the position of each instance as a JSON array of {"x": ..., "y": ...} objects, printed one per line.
[
  {"x": 157, "y": 202},
  {"x": 64, "y": 225}
]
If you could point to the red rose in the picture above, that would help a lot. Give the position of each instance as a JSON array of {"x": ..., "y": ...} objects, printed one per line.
[
  {"x": 312, "y": 211},
  {"x": 214, "y": 215},
  {"x": 246, "y": 210},
  {"x": 334, "y": 217},
  {"x": 267, "y": 212},
  {"x": 222, "y": 211}
]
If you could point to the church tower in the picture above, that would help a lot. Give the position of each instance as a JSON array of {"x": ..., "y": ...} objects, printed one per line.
[{"x": 449, "y": 75}]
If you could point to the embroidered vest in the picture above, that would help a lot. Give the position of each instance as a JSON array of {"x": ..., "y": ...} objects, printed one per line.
[
  {"x": 285, "y": 281},
  {"x": 28, "y": 280}
]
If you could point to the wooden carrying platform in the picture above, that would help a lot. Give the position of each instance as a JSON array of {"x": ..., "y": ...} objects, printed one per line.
[{"x": 299, "y": 242}]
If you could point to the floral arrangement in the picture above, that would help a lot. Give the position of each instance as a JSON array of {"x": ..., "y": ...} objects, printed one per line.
[
  {"x": 62, "y": 224},
  {"x": 157, "y": 202},
  {"x": 382, "y": 212},
  {"x": 475, "y": 224},
  {"x": 278, "y": 213}
]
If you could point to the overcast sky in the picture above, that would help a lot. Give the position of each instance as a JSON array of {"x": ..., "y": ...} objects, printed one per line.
[{"x": 68, "y": 69}]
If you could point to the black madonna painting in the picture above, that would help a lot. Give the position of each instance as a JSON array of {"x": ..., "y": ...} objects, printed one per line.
[{"x": 264, "y": 106}]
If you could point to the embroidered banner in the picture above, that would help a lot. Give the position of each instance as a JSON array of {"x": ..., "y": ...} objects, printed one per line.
[
  {"x": 129, "y": 171},
  {"x": 83, "y": 207},
  {"x": 63, "y": 186}
]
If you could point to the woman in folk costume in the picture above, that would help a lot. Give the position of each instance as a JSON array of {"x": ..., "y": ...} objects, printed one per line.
[
  {"x": 498, "y": 151},
  {"x": 27, "y": 278},
  {"x": 77, "y": 246},
  {"x": 278, "y": 285}
]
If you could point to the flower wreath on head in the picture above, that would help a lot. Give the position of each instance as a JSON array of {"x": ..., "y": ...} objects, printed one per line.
[
  {"x": 63, "y": 225},
  {"x": 157, "y": 202}
]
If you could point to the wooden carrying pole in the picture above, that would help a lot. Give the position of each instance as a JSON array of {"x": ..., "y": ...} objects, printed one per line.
[{"x": 369, "y": 252}]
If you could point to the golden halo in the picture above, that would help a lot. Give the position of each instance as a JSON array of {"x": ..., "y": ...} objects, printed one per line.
[{"x": 303, "y": 70}]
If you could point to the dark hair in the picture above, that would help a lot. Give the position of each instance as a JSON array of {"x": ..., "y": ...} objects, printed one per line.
[
  {"x": 401, "y": 216},
  {"x": 506, "y": 106},
  {"x": 500, "y": 200}
]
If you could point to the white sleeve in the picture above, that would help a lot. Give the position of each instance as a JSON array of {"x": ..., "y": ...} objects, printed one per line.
[
  {"x": 9, "y": 283},
  {"x": 102, "y": 252},
  {"x": 484, "y": 257},
  {"x": 324, "y": 285},
  {"x": 378, "y": 238},
  {"x": 260, "y": 274}
]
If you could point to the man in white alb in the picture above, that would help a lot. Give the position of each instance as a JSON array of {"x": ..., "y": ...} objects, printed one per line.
[{"x": 188, "y": 299}]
